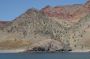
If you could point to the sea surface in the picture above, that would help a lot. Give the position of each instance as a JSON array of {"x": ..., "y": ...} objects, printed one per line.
[{"x": 45, "y": 55}]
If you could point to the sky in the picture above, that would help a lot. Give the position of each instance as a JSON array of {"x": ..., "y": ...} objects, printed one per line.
[{"x": 10, "y": 9}]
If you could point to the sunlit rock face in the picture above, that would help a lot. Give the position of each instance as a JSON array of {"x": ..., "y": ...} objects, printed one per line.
[{"x": 47, "y": 45}]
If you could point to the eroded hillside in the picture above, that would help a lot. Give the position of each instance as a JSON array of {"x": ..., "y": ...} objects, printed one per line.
[{"x": 66, "y": 27}]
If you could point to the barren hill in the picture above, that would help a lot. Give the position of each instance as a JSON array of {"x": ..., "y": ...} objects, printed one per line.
[{"x": 64, "y": 26}]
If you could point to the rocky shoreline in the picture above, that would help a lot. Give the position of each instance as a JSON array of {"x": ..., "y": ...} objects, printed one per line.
[
  {"x": 35, "y": 31},
  {"x": 27, "y": 51}
]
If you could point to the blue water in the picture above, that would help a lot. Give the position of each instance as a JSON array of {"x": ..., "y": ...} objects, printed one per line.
[{"x": 45, "y": 56}]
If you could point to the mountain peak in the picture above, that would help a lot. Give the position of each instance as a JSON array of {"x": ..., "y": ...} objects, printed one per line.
[
  {"x": 31, "y": 10},
  {"x": 87, "y": 4}
]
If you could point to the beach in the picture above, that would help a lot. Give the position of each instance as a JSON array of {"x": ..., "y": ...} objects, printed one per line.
[{"x": 12, "y": 51}]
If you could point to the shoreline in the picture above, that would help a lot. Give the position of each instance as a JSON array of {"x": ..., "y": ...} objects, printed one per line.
[
  {"x": 80, "y": 51},
  {"x": 25, "y": 51},
  {"x": 12, "y": 51}
]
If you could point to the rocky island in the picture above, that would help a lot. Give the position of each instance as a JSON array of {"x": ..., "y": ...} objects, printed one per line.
[{"x": 60, "y": 28}]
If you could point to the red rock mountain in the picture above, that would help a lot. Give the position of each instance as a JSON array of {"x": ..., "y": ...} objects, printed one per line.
[
  {"x": 68, "y": 12},
  {"x": 34, "y": 30}
]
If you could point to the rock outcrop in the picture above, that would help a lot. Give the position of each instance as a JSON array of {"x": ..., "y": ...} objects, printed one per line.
[{"x": 47, "y": 45}]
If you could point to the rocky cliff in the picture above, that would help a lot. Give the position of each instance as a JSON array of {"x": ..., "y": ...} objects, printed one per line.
[{"x": 49, "y": 29}]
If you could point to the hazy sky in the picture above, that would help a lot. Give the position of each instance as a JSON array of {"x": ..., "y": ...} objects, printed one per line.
[{"x": 9, "y": 9}]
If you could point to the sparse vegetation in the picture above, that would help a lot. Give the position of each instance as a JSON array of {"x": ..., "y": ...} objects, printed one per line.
[{"x": 34, "y": 26}]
